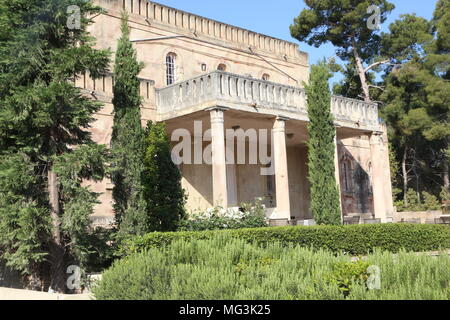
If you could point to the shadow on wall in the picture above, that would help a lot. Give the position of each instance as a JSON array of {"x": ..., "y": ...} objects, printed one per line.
[{"x": 356, "y": 184}]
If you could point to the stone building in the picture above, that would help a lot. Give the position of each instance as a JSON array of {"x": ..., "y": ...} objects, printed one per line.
[{"x": 201, "y": 71}]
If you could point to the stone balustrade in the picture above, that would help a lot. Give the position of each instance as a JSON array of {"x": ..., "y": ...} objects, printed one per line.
[
  {"x": 229, "y": 90},
  {"x": 357, "y": 111},
  {"x": 224, "y": 89}
]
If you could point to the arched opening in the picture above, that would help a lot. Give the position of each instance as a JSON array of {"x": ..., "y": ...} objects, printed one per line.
[
  {"x": 266, "y": 77},
  {"x": 171, "y": 59},
  {"x": 222, "y": 67},
  {"x": 347, "y": 172}
]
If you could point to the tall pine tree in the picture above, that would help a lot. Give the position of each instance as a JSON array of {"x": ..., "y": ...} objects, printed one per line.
[
  {"x": 128, "y": 141},
  {"x": 325, "y": 203},
  {"x": 46, "y": 149},
  {"x": 417, "y": 100},
  {"x": 347, "y": 25}
]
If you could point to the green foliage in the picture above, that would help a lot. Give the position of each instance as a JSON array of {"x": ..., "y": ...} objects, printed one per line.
[
  {"x": 100, "y": 249},
  {"x": 162, "y": 182},
  {"x": 44, "y": 127},
  {"x": 430, "y": 202},
  {"x": 406, "y": 37},
  {"x": 422, "y": 202},
  {"x": 355, "y": 239},
  {"x": 23, "y": 223},
  {"x": 350, "y": 86},
  {"x": 343, "y": 23},
  {"x": 346, "y": 274},
  {"x": 251, "y": 216},
  {"x": 441, "y": 25},
  {"x": 128, "y": 141},
  {"x": 417, "y": 99},
  {"x": 225, "y": 268},
  {"x": 325, "y": 203},
  {"x": 445, "y": 194}
]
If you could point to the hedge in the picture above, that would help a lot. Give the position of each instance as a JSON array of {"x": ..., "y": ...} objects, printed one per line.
[{"x": 353, "y": 239}]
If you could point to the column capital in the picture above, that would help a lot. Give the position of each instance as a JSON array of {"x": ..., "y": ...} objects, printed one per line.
[
  {"x": 281, "y": 118},
  {"x": 217, "y": 108},
  {"x": 280, "y": 124},
  {"x": 376, "y": 138}
]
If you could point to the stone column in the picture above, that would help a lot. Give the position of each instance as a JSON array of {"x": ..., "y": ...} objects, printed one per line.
[
  {"x": 381, "y": 177},
  {"x": 338, "y": 175},
  {"x": 283, "y": 210},
  {"x": 219, "y": 166}
]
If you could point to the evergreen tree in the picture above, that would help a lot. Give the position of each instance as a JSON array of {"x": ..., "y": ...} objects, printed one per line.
[
  {"x": 345, "y": 24},
  {"x": 46, "y": 149},
  {"x": 163, "y": 192},
  {"x": 350, "y": 85},
  {"x": 417, "y": 100},
  {"x": 128, "y": 140},
  {"x": 325, "y": 203}
]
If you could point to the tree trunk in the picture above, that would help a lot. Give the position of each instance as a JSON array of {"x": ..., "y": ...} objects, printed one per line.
[
  {"x": 56, "y": 246},
  {"x": 446, "y": 173},
  {"x": 405, "y": 177},
  {"x": 362, "y": 74}
]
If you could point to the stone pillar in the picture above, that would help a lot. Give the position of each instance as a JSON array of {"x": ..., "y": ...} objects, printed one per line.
[
  {"x": 381, "y": 177},
  {"x": 389, "y": 199},
  {"x": 219, "y": 166},
  {"x": 283, "y": 210},
  {"x": 231, "y": 176},
  {"x": 338, "y": 175}
]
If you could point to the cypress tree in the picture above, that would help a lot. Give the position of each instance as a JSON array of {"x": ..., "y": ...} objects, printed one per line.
[
  {"x": 128, "y": 140},
  {"x": 46, "y": 149},
  {"x": 325, "y": 204},
  {"x": 163, "y": 192}
]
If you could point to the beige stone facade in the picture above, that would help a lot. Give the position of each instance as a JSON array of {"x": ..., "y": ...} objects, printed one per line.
[{"x": 199, "y": 70}]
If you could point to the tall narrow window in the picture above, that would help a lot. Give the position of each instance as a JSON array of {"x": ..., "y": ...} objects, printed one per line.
[
  {"x": 347, "y": 172},
  {"x": 170, "y": 68},
  {"x": 369, "y": 179}
]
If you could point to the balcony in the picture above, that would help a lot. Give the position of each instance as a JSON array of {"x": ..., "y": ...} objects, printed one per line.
[{"x": 258, "y": 96}]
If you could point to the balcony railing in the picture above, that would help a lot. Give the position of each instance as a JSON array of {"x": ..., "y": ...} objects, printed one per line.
[{"x": 229, "y": 90}]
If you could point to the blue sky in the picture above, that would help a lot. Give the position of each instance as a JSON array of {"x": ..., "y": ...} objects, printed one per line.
[{"x": 273, "y": 17}]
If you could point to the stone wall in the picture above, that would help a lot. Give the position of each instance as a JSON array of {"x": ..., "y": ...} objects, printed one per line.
[
  {"x": 424, "y": 216},
  {"x": 200, "y": 46},
  {"x": 200, "y": 49}
]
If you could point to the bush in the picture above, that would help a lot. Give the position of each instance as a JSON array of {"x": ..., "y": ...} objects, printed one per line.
[
  {"x": 223, "y": 268},
  {"x": 249, "y": 216},
  {"x": 428, "y": 202},
  {"x": 354, "y": 239},
  {"x": 346, "y": 274}
]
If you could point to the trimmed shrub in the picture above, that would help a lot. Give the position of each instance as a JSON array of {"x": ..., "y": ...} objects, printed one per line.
[
  {"x": 354, "y": 239},
  {"x": 250, "y": 215},
  {"x": 225, "y": 268}
]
